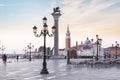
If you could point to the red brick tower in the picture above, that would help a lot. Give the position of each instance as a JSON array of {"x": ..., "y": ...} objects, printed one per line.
[{"x": 68, "y": 43}]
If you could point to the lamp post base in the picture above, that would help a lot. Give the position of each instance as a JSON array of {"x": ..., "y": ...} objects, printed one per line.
[
  {"x": 44, "y": 71},
  {"x": 29, "y": 59},
  {"x": 97, "y": 58}
]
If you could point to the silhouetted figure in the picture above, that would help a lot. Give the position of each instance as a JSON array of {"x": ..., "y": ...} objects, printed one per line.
[
  {"x": 17, "y": 57},
  {"x": 4, "y": 57}
]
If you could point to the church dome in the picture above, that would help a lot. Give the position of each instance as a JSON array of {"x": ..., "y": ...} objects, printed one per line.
[
  {"x": 87, "y": 41},
  {"x": 87, "y": 44}
]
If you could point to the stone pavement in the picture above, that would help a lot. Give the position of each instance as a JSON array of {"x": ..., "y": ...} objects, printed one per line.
[{"x": 58, "y": 70}]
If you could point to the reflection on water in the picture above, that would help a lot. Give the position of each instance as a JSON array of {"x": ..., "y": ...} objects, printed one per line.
[
  {"x": 94, "y": 72},
  {"x": 96, "y": 64}
]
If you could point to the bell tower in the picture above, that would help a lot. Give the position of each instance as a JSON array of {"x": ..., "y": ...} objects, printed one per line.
[{"x": 68, "y": 39}]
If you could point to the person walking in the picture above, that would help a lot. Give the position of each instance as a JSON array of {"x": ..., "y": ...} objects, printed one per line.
[
  {"x": 17, "y": 57},
  {"x": 4, "y": 58}
]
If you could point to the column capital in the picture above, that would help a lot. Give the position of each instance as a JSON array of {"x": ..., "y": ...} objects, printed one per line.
[{"x": 56, "y": 15}]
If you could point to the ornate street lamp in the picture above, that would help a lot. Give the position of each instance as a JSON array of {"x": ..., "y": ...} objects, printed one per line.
[
  {"x": 98, "y": 42},
  {"x": 116, "y": 46},
  {"x": 44, "y": 32},
  {"x": 2, "y": 48},
  {"x": 30, "y": 46}
]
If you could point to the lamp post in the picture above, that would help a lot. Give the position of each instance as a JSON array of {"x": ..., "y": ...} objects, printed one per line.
[
  {"x": 116, "y": 46},
  {"x": 30, "y": 46},
  {"x": 92, "y": 47},
  {"x": 44, "y": 32},
  {"x": 2, "y": 48},
  {"x": 98, "y": 42},
  {"x": 68, "y": 56}
]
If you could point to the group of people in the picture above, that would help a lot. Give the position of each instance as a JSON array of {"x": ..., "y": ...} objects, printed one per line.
[{"x": 4, "y": 58}]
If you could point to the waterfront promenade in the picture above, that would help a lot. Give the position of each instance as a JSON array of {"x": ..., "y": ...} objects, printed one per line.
[{"x": 58, "y": 70}]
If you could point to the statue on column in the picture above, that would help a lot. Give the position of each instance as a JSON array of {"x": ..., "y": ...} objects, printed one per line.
[{"x": 56, "y": 10}]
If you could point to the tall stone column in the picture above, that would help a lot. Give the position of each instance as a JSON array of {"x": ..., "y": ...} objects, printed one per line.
[{"x": 56, "y": 14}]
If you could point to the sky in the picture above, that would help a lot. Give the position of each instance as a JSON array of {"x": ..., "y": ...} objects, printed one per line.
[{"x": 86, "y": 18}]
